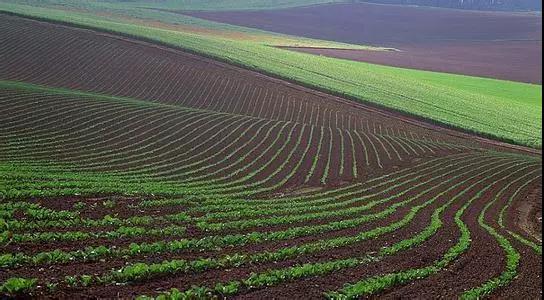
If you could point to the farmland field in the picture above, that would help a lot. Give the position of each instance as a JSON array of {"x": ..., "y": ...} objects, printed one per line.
[
  {"x": 512, "y": 110},
  {"x": 444, "y": 40},
  {"x": 133, "y": 169}
]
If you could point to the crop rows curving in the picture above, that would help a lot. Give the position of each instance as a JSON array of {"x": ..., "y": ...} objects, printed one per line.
[{"x": 131, "y": 170}]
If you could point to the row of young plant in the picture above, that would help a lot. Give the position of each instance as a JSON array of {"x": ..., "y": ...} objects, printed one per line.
[
  {"x": 7, "y": 237},
  {"x": 205, "y": 243},
  {"x": 512, "y": 255},
  {"x": 365, "y": 146},
  {"x": 223, "y": 204},
  {"x": 7, "y": 209},
  {"x": 280, "y": 143},
  {"x": 536, "y": 247},
  {"x": 195, "y": 155},
  {"x": 326, "y": 196},
  {"x": 98, "y": 184},
  {"x": 107, "y": 220},
  {"x": 225, "y": 163},
  {"x": 55, "y": 134},
  {"x": 271, "y": 184},
  {"x": 320, "y": 204},
  {"x": 107, "y": 145},
  {"x": 168, "y": 117},
  {"x": 419, "y": 149},
  {"x": 200, "y": 219},
  {"x": 384, "y": 143},
  {"x": 17, "y": 286},
  {"x": 28, "y": 109},
  {"x": 247, "y": 182},
  {"x": 96, "y": 140},
  {"x": 274, "y": 277},
  {"x": 173, "y": 172},
  {"x": 263, "y": 189},
  {"x": 416, "y": 146},
  {"x": 380, "y": 283},
  {"x": 51, "y": 182},
  {"x": 16, "y": 225},
  {"x": 140, "y": 271},
  {"x": 323, "y": 215},
  {"x": 125, "y": 174},
  {"x": 48, "y": 136},
  {"x": 279, "y": 184},
  {"x": 176, "y": 137},
  {"x": 410, "y": 146}
]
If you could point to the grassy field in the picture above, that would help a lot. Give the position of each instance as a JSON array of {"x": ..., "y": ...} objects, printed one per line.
[
  {"x": 503, "y": 110},
  {"x": 183, "y": 4}
]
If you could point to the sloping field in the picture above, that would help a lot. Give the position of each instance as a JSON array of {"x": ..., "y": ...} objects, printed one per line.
[
  {"x": 508, "y": 111},
  {"x": 226, "y": 95},
  {"x": 130, "y": 169},
  {"x": 452, "y": 41}
]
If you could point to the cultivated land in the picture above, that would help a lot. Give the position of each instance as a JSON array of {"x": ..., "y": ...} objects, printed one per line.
[
  {"x": 128, "y": 169},
  {"x": 504, "y": 110},
  {"x": 489, "y": 44}
]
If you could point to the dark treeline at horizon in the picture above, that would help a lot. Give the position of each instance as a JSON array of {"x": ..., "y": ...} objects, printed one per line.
[{"x": 501, "y": 5}]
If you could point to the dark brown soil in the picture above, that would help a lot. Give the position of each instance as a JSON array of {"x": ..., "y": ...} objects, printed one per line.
[
  {"x": 424, "y": 255},
  {"x": 523, "y": 58},
  {"x": 524, "y": 216},
  {"x": 489, "y": 44},
  {"x": 162, "y": 140},
  {"x": 184, "y": 281}
]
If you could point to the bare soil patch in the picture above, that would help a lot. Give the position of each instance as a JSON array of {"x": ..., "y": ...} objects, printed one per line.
[
  {"x": 490, "y": 44},
  {"x": 483, "y": 59}
]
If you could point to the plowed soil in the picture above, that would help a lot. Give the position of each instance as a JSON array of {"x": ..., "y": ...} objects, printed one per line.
[
  {"x": 234, "y": 145},
  {"x": 489, "y": 44}
]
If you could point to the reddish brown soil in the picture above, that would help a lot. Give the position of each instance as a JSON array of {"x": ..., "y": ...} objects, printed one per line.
[
  {"x": 214, "y": 275},
  {"x": 421, "y": 256},
  {"x": 490, "y": 44},
  {"x": 525, "y": 216},
  {"x": 533, "y": 217},
  {"x": 508, "y": 60}
]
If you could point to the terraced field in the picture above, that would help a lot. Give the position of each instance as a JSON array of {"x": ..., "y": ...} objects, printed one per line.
[{"x": 129, "y": 169}]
